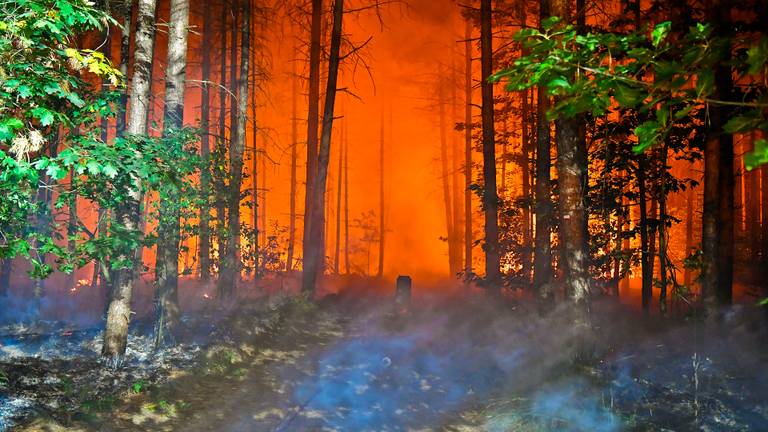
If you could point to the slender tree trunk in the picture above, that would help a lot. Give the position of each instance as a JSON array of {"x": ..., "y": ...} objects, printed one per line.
[
  {"x": 490, "y": 195},
  {"x": 294, "y": 162},
  {"x": 456, "y": 182},
  {"x": 752, "y": 198},
  {"x": 663, "y": 234},
  {"x": 314, "y": 248},
  {"x": 220, "y": 170},
  {"x": 257, "y": 267},
  {"x": 345, "y": 144},
  {"x": 119, "y": 311},
  {"x": 125, "y": 56},
  {"x": 205, "y": 147},
  {"x": 382, "y": 225},
  {"x": 339, "y": 185},
  {"x": 542, "y": 272},
  {"x": 689, "y": 210},
  {"x": 468, "y": 149},
  {"x": 230, "y": 271},
  {"x": 445, "y": 181},
  {"x": 718, "y": 226},
  {"x": 646, "y": 257},
  {"x": 525, "y": 167},
  {"x": 313, "y": 116}
]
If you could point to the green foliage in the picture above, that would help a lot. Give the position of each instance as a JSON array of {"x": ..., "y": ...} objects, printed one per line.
[
  {"x": 669, "y": 80},
  {"x": 50, "y": 146}
]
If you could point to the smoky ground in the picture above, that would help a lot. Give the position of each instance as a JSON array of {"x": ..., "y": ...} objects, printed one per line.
[{"x": 353, "y": 361}]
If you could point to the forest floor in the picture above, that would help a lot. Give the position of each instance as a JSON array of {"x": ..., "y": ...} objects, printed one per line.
[{"x": 353, "y": 363}]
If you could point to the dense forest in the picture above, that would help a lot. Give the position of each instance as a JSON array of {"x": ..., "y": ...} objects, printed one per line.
[{"x": 491, "y": 215}]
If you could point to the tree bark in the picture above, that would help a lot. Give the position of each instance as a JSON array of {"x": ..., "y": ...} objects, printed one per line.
[
  {"x": 169, "y": 224},
  {"x": 314, "y": 247},
  {"x": 119, "y": 311},
  {"x": 313, "y": 115},
  {"x": 468, "y": 149},
  {"x": 572, "y": 178},
  {"x": 718, "y": 221},
  {"x": 125, "y": 56},
  {"x": 490, "y": 195},
  {"x": 230, "y": 271},
  {"x": 294, "y": 163},
  {"x": 542, "y": 259},
  {"x": 339, "y": 185},
  {"x": 345, "y": 144},
  {"x": 382, "y": 225},
  {"x": 525, "y": 167},
  {"x": 219, "y": 171},
  {"x": 205, "y": 147},
  {"x": 445, "y": 178}
]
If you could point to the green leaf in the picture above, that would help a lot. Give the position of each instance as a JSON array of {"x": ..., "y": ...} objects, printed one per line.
[
  {"x": 44, "y": 115},
  {"x": 109, "y": 171},
  {"x": 758, "y": 157},
  {"x": 647, "y": 135},
  {"x": 757, "y": 56},
  {"x": 627, "y": 96},
  {"x": 660, "y": 32},
  {"x": 743, "y": 123}
]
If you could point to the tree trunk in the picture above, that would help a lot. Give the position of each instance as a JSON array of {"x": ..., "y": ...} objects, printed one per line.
[
  {"x": 718, "y": 226},
  {"x": 339, "y": 185},
  {"x": 255, "y": 186},
  {"x": 345, "y": 144},
  {"x": 169, "y": 224},
  {"x": 764, "y": 213},
  {"x": 382, "y": 225},
  {"x": 313, "y": 114},
  {"x": 294, "y": 163},
  {"x": 468, "y": 149},
  {"x": 314, "y": 248},
  {"x": 490, "y": 196},
  {"x": 689, "y": 209},
  {"x": 525, "y": 167},
  {"x": 219, "y": 170},
  {"x": 646, "y": 257},
  {"x": 542, "y": 259},
  {"x": 445, "y": 181},
  {"x": 230, "y": 271},
  {"x": 456, "y": 182},
  {"x": 663, "y": 234},
  {"x": 125, "y": 57},
  {"x": 6, "y": 268},
  {"x": 572, "y": 178},
  {"x": 205, "y": 147},
  {"x": 119, "y": 311}
]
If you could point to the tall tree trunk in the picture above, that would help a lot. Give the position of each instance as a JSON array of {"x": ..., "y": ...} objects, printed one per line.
[
  {"x": 456, "y": 182},
  {"x": 646, "y": 256},
  {"x": 689, "y": 210},
  {"x": 294, "y": 163},
  {"x": 313, "y": 116},
  {"x": 345, "y": 144},
  {"x": 490, "y": 195},
  {"x": 169, "y": 224},
  {"x": 255, "y": 186},
  {"x": 445, "y": 181},
  {"x": 525, "y": 167},
  {"x": 230, "y": 271},
  {"x": 382, "y": 225},
  {"x": 468, "y": 149},
  {"x": 718, "y": 226},
  {"x": 542, "y": 271},
  {"x": 125, "y": 56},
  {"x": 752, "y": 198},
  {"x": 119, "y": 311},
  {"x": 205, "y": 147},
  {"x": 339, "y": 185},
  {"x": 663, "y": 233},
  {"x": 219, "y": 169},
  {"x": 572, "y": 178},
  {"x": 314, "y": 248}
]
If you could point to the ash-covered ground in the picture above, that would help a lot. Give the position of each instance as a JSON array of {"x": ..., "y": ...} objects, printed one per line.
[{"x": 355, "y": 363}]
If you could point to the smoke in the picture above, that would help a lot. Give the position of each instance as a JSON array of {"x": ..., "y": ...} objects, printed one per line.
[{"x": 430, "y": 369}]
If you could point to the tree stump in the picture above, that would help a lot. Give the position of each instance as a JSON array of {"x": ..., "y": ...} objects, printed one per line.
[{"x": 403, "y": 293}]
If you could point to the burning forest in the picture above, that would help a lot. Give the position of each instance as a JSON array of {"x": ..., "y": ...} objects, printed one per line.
[{"x": 401, "y": 215}]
